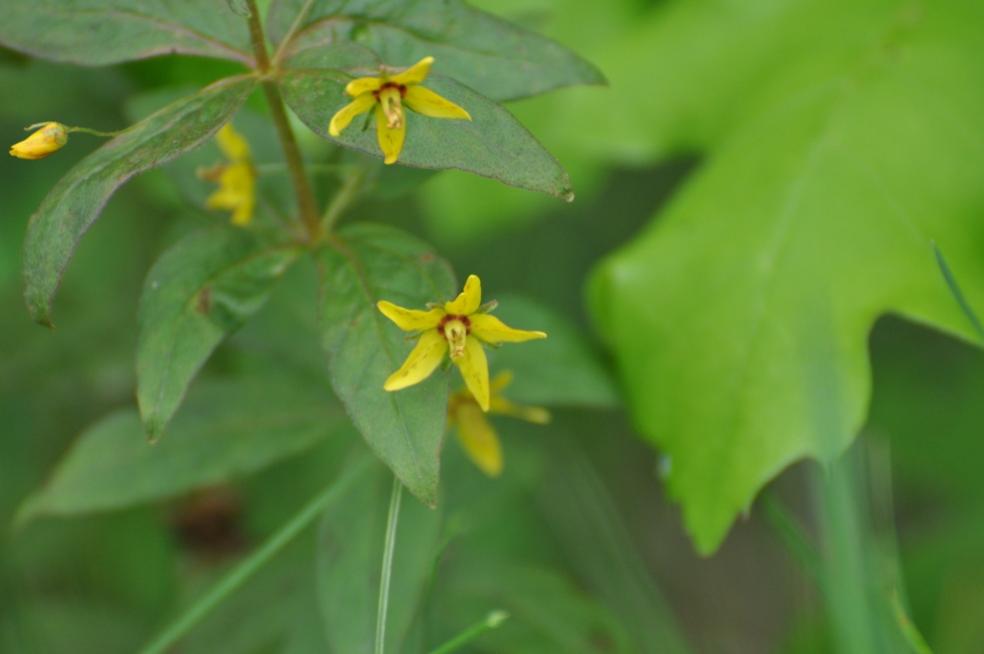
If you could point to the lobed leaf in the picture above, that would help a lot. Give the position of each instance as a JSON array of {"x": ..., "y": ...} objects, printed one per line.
[
  {"x": 368, "y": 263},
  {"x": 103, "y": 32},
  {"x": 204, "y": 287},
  {"x": 77, "y": 200},
  {"x": 499, "y": 59},
  {"x": 493, "y": 144},
  {"x": 226, "y": 430}
]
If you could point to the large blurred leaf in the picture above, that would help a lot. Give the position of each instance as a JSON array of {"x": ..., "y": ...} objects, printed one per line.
[
  {"x": 77, "y": 200},
  {"x": 101, "y": 32},
  {"x": 740, "y": 320},
  {"x": 498, "y": 59},
  {"x": 226, "y": 429},
  {"x": 492, "y": 144},
  {"x": 368, "y": 263},
  {"x": 204, "y": 287},
  {"x": 350, "y": 552}
]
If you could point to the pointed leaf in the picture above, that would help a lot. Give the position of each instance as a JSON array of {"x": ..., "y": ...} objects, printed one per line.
[
  {"x": 206, "y": 286},
  {"x": 77, "y": 200},
  {"x": 405, "y": 428}
]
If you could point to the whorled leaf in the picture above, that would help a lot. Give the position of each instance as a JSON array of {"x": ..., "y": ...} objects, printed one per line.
[
  {"x": 78, "y": 198},
  {"x": 103, "y": 32},
  {"x": 493, "y": 144},
  {"x": 226, "y": 429},
  {"x": 365, "y": 264},
  {"x": 204, "y": 287},
  {"x": 491, "y": 55},
  {"x": 740, "y": 320}
]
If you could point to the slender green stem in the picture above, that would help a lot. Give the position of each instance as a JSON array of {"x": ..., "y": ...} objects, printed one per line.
[
  {"x": 94, "y": 132},
  {"x": 343, "y": 199},
  {"x": 292, "y": 153},
  {"x": 386, "y": 571},
  {"x": 491, "y": 621},
  {"x": 242, "y": 572}
]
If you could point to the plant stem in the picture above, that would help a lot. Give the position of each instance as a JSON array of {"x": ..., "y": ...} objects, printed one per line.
[
  {"x": 386, "y": 571},
  {"x": 242, "y": 572},
  {"x": 491, "y": 621},
  {"x": 295, "y": 163},
  {"x": 341, "y": 200}
]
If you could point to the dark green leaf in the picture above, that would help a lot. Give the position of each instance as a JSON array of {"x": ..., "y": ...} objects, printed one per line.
[
  {"x": 77, "y": 200},
  {"x": 366, "y": 264},
  {"x": 203, "y": 288},
  {"x": 101, "y": 32},
  {"x": 498, "y": 59},
  {"x": 225, "y": 430},
  {"x": 493, "y": 144}
]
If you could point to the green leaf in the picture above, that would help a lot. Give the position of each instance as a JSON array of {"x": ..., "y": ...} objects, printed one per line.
[
  {"x": 102, "y": 32},
  {"x": 349, "y": 557},
  {"x": 77, "y": 200},
  {"x": 491, "y": 55},
  {"x": 493, "y": 144},
  {"x": 559, "y": 370},
  {"x": 366, "y": 264},
  {"x": 740, "y": 320},
  {"x": 204, "y": 287},
  {"x": 227, "y": 429}
]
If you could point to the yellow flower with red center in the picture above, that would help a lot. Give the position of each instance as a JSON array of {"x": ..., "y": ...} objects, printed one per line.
[
  {"x": 50, "y": 137},
  {"x": 475, "y": 432},
  {"x": 236, "y": 179},
  {"x": 457, "y": 329},
  {"x": 388, "y": 94}
]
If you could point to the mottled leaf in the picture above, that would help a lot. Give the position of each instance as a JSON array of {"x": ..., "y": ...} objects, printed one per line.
[
  {"x": 493, "y": 144},
  {"x": 365, "y": 264},
  {"x": 206, "y": 286},
  {"x": 101, "y": 32},
  {"x": 497, "y": 58},
  {"x": 77, "y": 200}
]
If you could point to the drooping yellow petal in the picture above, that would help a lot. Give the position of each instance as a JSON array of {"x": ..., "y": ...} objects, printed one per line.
[
  {"x": 479, "y": 439},
  {"x": 415, "y": 74},
  {"x": 493, "y": 331},
  {"x": 501, "y": 381},
  {"x": 426, "y": 102},
  {"x": 410, "y": 320},
  {"x": 468, "y": 300},
  {"x": 361, "y": 85},
  {"x": 232, "y": 144},
  {"x": 474, "y": 369},
  {"x": 390, "y": 138},
  {"x": 49, "y": 138},
  {"x": 346, "y": 114},
  {"x": 534, "y": 414},
  {"x": 420, "y": 363}
]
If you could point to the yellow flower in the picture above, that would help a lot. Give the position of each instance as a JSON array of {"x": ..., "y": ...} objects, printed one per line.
[
  {"x": 236, "y": 180},
  {"x": 457, "y": 329},
  {"x": 474, "y": 431},
  {"x": 388, "y": 93},
  {"x": 50, "y": 137}
]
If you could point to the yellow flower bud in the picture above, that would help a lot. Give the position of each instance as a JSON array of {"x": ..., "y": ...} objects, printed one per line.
[{"x": 49, "y": 138}]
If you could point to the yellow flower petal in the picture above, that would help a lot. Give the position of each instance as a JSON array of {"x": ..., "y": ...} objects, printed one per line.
[
  {"x": 50, "y": 138},
  {"x": 361, "y": 85},
  {"x": 468, "y": 300},
  {"x": 426, "y": 102},
  {"x": 410, "y": 320},
  {"x": 479, "y": 439},
  {"x": 501, "y": 381},
  {"x": 415, "y": 74},
  {"x": 232, "y": 144},
  {"x": 534, "y": 414},
  {"x": 390, "y": 138},
  {"x": 421, "y": 362},
  {"x": 474, "y": 369},
  {"x": 344, "y": 116},
  {"x": 493, "y": 331}
]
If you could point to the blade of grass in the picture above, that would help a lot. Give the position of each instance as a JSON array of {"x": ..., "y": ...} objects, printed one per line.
[{"x": 491, "y": 621}]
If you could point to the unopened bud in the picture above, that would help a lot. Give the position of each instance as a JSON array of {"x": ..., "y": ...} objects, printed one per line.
[{"x": 50, "y": 137}]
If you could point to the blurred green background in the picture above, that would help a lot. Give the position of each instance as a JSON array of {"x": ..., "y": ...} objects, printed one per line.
[{"x": 577, "y": 540}]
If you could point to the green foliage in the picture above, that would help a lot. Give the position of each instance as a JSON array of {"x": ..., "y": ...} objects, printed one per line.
[
  {"x": 739, "y": 320},
  {"x": 77, "y": 200},
  {"x": 490, "y": 55},
  {"x": 101, "y": 32},
  {"x": 204, "y": 287},
  {"x": 366, "y": 264}
]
